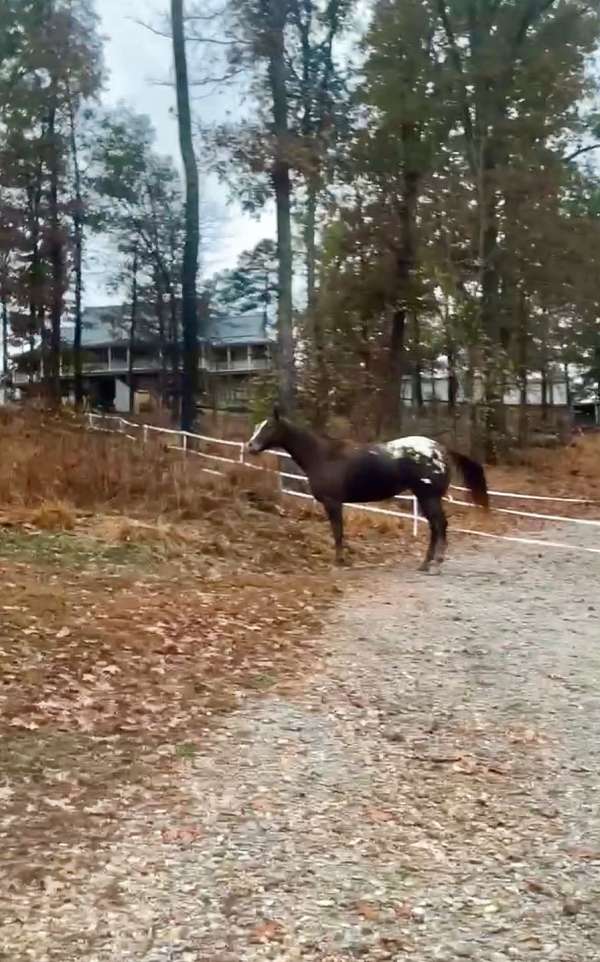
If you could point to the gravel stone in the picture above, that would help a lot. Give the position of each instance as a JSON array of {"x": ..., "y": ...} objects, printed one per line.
[{"x": 322, "y": 837}]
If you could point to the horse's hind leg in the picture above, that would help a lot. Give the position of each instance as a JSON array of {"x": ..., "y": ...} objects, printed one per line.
[
  {"x": 440, "y": 553},
  {"x": 431, "y": 509},
  {"x": 335, "y": 513}
]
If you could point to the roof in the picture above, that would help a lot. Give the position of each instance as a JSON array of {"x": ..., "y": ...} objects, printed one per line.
[
  {"x": 110, "y": 325},
  {"x": 101, "y": 325},
  {"x": 243, "y": 328}
]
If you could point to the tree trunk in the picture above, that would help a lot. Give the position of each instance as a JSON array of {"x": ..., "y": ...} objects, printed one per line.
[
  {"x": 175, "y": 353},
  {"x": 523, "y": 371},
  {"x": 4, "y": 334},
  {"x": 162, "y": 347},
  {"x": 132, "y": 329},
  {"x": 56, "y": 254},
  {"x": 189, "y": 308},
  {"x": 544, "y": 389},
  {"x": 567, "y": 383},
  {"x": 77, "y": 257},
  {"x": 310, "y": 230},
  {"x": 471, "y": 392},
  {"x": 265, "y": 310},
  {"x": 405, "y": 266},
  {"x": 488, "y": 311},
  {"x": 40, "y": 325},
  {"x": 36, "y": 279},
  {"x": 283, "y": 197},
  {"x": 418, "y": 364},
  {"x": 432, "y": 373},
  {"x": 451, "y": 355},
  {"x": 315, "y": 326},
  {"x": 392, "y": 395}
]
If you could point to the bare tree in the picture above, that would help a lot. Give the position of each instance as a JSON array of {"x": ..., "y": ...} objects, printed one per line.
[{"x": 189, "y": 310}]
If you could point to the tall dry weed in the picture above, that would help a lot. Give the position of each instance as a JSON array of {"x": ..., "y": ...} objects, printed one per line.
[{"x": 52, "y": 460}]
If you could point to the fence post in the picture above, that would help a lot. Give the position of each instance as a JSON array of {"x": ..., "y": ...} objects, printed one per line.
[
  {"x": 415, "y": 517},
  {"x": 145, "y": 434},
  {"x": 184, "y": 441},
  {"x": 241, "y": 452}
]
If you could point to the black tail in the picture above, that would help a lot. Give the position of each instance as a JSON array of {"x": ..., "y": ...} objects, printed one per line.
[{"x": 474, "y": 476}]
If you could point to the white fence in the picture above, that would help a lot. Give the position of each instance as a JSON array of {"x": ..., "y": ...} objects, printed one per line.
[{"x": 115, "y": 424}]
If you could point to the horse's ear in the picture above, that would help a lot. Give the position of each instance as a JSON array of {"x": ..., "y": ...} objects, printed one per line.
[{"x": 276, "y": 412}]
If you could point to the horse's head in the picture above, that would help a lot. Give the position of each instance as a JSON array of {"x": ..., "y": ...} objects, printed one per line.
[{"x": 267, "y": 434}]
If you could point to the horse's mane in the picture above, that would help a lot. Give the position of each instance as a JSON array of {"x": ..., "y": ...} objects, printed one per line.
[
  {"x": 337, "y": 446},
  {"x": 333, "y": 447}
]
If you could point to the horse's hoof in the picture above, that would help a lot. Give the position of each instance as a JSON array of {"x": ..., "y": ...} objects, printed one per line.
[{"x": 424, "y": 567}]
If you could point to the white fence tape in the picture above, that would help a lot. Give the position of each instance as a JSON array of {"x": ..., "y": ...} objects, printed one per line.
[
  {"x": 532, "y": 497},
  {"x": 534, "y": 541},
  {"x": 532, "y": 514},
  {"x": 414, "y": 516}
]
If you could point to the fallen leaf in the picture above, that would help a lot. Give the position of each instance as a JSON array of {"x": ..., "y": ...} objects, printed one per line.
[
  {"x": 378, "y": 815},
  {"x": 185, "y": 834},
  {"x": 535, "y": 885},
  {"x": 269, "y": 931},
  {"x": 368, "y": 911},
  {"x": 589, "y": 854}
]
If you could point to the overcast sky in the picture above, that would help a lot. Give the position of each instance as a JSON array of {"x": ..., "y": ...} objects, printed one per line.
[{"x": 137, "y": 62}]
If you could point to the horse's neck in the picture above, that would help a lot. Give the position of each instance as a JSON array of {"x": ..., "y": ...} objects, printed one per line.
[{"x": 303, "y": 446}]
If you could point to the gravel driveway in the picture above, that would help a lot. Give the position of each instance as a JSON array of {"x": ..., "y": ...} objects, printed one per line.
[{"x": 430, "y": 792}]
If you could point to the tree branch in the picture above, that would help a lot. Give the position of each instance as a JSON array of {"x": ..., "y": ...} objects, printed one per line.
[
  {"x": 205, "y": 17},
  {"x": 154, "y": 30},
  {"x": 534, "y": 12},
  {"x": 580, "y": 151},
  {"x": 193, "y": 37},
  {"x": 196, "y": 38}
]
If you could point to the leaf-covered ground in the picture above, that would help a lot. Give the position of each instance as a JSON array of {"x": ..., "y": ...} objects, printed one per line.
[
  {"x": 425, "y": 791},
  {"x": 113, "y": 666},
  {"x": 141, "y": 603}
]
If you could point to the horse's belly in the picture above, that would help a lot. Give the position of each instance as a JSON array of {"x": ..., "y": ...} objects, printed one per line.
[{"x": 376, "y": 485}]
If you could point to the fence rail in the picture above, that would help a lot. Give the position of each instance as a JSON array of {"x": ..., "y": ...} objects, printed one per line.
[{"x": 99, "y": 422}]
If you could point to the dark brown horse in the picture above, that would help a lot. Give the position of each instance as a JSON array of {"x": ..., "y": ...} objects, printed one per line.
[{"x": 338, "y": 473}]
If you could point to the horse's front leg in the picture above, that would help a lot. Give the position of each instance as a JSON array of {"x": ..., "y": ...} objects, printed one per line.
[{"x": 335, "y": 513}]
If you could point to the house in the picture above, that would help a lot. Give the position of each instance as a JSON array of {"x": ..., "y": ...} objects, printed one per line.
[
  {"x": 586, "y": 412},
  {"x": 435, "y": 388},
  {"x": 232, "y": 353}
]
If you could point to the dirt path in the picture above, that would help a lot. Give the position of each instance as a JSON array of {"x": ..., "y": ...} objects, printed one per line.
[{"x": 431, "y": 792}]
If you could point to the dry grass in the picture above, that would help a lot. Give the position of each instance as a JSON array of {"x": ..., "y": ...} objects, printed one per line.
[
  {"x": 571, "y": 471},
  {"x": 56, "y": 475},
  {"x": 46, "y": 459}
]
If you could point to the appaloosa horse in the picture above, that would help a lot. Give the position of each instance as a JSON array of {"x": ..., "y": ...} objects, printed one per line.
[{"x": 339, "y": 473}]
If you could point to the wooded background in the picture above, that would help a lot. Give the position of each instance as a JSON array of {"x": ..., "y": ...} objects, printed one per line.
[{"x": 431, "y": 164}]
